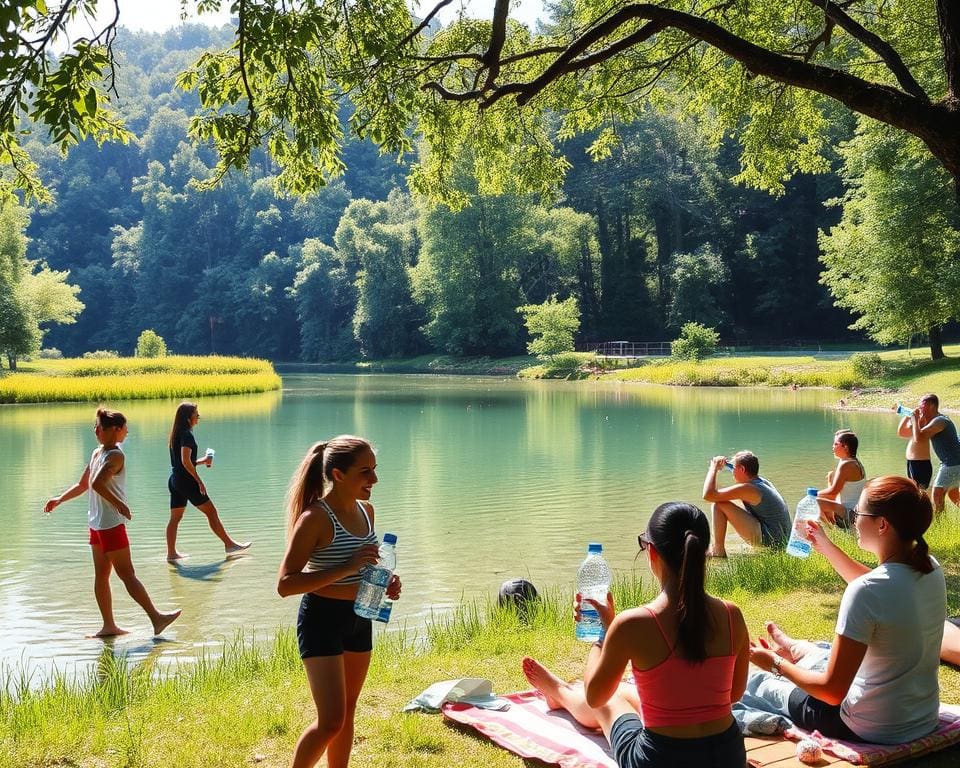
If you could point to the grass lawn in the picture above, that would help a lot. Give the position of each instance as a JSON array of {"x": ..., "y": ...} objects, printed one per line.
[{"x": 247, "y": 706}]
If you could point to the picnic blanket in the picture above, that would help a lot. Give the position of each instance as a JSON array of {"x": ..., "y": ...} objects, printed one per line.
[{"x": 530, "y": 730}]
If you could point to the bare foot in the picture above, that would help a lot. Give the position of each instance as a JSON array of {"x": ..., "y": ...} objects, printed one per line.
[
  {"x": 783, "y": 643},
  {"x": 718, "y": 553},
  {"x": 175, "y": 557},
  {"x": 544, "y": 681},
  {"x": 164, "y": 621},
  {"x": 237, "y": 549},
  {"x": 109, "y": 631}
]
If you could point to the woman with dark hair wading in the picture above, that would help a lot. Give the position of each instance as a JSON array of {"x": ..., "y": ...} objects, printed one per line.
[
  {"x": 877, "y": 682},
  {"x": 104, "y": 482},
  {"x": 688, "y": 654},
  {"x": 330, "y": 539},
  {"x": 185, "y": 484}
]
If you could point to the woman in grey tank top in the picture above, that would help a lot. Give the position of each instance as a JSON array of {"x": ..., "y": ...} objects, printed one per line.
[{"x": 331, "y": 538}]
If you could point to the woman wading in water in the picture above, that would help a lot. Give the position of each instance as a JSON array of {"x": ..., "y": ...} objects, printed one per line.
[
  {"x": 104, "y": 482},
  {"x": 185, "y": 484}
]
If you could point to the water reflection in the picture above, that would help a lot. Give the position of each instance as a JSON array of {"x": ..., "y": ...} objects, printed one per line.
[{"x": 482, "y": 480}]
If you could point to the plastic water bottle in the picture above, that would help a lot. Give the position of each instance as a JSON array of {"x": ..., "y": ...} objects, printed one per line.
[
  {"x": 386, "y": 608},
  {"x": 903, "y": 410},
  {"x": 807, "y": 509},
  {"x": 210, "y": 454},
  {"x": 373, "y": 588},
  {"x": 728, "y": 465},
  {"x": 593, "y": 581}
]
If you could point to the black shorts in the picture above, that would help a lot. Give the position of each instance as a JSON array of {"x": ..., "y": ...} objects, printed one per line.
[
  {"x": 328, "y": 627},
  {"x": 184, "y": 489},
  {"x": 635, "y": 747},
  {"x": 814, "y": 715},
  {"x": 920, "y": 471}
]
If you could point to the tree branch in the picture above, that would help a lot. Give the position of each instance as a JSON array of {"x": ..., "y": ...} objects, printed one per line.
[
  {"x": 876, "y": 44},
  {"x": 882, "y": 102}
]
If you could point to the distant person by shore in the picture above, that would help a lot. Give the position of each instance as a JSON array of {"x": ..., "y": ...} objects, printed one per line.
[
  {"x": 104, "y": 482},
  {"x": 753, "y": 505},
  {"x": 919, "y": 466}
]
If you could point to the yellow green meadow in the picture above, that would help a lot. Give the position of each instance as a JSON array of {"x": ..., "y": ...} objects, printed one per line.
[{"x": 83, "y": 380}]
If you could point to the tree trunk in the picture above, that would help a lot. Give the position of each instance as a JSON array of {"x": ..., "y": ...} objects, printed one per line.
[
  {"x": 12, "y": 362},
  {"x": 936, "y": 342}
]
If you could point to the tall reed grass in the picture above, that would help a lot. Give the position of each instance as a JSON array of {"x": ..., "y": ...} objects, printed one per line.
[{"x": 137, "y": 379}]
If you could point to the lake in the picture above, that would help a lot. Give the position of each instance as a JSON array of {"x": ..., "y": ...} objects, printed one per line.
[{"x": 482, "y": 480}]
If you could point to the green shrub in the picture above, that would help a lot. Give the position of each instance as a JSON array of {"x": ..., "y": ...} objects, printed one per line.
[
  {"x": 50, "y": 353},
  {"x": 867, "y": 365},
  {"x": 151, "y": 344},
  {"x": 696, "y": 341},
  {"x": 101, "y": 354}
]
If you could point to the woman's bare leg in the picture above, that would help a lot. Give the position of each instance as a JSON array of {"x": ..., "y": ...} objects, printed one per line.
[
  {"x": 123, "y": 565},
  {"x": 355, "y": 667},
  {"x": 176, "y": 515},
  {"x": 102, "y": 568},
  {"x": 326, "y": 677},
  {"x": 562, "y": 695},
  {"x": 213, "y": 519},
  {"x": 950, "y": 647}
]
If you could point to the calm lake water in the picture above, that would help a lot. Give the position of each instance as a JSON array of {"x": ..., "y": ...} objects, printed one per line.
[{"x": 481, "y": 479}]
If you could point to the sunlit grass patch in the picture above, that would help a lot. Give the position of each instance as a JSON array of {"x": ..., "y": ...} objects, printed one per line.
[
  {"x": 744, "y": 371},
  {"x": 136, "y": 379}
]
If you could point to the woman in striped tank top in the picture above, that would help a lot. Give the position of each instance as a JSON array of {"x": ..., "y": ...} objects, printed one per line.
[{"x": 331, "y": 538}]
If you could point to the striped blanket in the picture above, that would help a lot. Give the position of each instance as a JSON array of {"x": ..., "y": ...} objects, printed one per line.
[{"x": 530, "y": 730}]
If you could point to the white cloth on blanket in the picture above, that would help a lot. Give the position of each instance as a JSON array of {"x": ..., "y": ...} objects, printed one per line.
[{"x": 475, "y": 691}]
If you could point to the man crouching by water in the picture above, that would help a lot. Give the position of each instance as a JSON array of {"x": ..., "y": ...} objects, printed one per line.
[{"x": 753, "y": 506}]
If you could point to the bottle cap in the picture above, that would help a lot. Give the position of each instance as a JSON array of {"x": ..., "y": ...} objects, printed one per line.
[
  {"x": 812, "y": 491},
  {"x": 594, "y": 548},
  {"x": 389, "y": 538}
]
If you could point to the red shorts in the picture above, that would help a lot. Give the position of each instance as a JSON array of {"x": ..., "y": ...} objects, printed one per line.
[{"x": 111, "y": 539}]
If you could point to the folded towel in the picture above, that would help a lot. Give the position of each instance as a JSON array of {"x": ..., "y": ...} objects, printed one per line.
[{"x": 475, "y": 691}]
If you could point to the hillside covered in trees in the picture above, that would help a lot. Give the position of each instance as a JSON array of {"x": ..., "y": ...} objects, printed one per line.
[{"x": 653, "y": 235}]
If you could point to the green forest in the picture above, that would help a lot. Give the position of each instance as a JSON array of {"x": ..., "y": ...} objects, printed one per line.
[{"x": 657, "y": 222}]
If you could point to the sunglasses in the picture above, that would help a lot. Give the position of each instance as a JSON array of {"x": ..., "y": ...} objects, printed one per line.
[
  {"x": 855, "y": 513},
  {"x": 643, "y": 541}
]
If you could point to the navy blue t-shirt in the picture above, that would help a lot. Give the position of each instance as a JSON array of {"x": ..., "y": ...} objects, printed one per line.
[{"x": 183, "y": 439}]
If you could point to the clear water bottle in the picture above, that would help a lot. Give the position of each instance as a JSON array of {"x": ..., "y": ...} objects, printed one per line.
[
  {"x": 902, "y": 410},
  {"x": 373, "y": 587},
  {"x": 807, "y": 509},
  {"x": 728, "y": 465},
  {"x": 593, "y": 581},
  {"x": 386, "y": 608}
]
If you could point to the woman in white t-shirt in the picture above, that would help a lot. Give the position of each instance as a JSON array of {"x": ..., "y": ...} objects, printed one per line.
[{"x": 878, "y": 682}]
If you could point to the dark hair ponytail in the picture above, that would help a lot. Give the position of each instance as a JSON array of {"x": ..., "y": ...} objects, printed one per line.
[
  {"x": 108, "y": 419},
  {"x": 680, "y": 533},
  {"x": 316, "y": 469},
  {"x": 181, "y": 421}
]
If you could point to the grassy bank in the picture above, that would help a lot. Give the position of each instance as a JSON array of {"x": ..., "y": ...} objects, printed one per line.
[
  {"x": 83, "y": 380},
  {"x": 248, "y": 705}
]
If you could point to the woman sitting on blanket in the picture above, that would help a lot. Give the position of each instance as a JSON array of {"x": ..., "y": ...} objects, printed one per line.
[
  {"x": 878, "y": 681},
  {"x": 688, "y": 652}
]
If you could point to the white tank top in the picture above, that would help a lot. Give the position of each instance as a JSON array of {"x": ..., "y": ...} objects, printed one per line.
[
  {"x": 851, "y": 490},
  {"x": 102, "y": 514}
]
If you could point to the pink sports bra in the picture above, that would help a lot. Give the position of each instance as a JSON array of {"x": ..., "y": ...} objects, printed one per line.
[{"x": 681, "y": 692}]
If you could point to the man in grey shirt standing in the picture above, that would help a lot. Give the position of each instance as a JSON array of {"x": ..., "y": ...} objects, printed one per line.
[{"x": 753, "y": 506}]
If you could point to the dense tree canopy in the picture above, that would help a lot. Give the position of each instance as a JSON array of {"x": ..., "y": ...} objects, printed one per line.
[{"x": 771, "y": 71}]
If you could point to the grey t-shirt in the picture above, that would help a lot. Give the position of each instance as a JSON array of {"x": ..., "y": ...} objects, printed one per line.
[
  {"x": 898, "y": 614},
  {"x": 945, "y": 443},
  {"x": 771, "y": 511}
]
